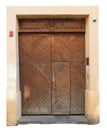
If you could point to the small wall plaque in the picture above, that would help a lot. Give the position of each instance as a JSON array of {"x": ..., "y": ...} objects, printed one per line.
[{"x": 10, "y": 33}]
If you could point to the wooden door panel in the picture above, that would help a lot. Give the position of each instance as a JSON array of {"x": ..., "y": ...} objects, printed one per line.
[
  {"x": 35, "y": 25},
  {"x": 77, "y": 91},
  {"x": 69, "y": 25},
  {"x": 51, "y": 25},
  {"x": 60, "y": 55},
  {"x": 71, "y": 47},
  {"x": 78, "y": 74},
  {"x": 61, "y": 47},
  {"x": 78, "y": 48},
  {"x": 61, "y": 88},
  {"x": 34, "y": 52},
  {"x": 68, "y": 47}
]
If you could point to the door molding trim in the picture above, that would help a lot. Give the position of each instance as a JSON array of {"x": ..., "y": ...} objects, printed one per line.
[{"x": 91, "y": 49}]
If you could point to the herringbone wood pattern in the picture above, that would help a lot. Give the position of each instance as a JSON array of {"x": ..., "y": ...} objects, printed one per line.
[
  {"x": 61, "y": 88},
  {"x": 52, "y": 69},
  {"x": 35, "y": 73},
  {"x": 71, "y": 48}
]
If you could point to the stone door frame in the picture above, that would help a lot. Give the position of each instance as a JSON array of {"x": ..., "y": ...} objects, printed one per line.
[{"x": 90, "y": 13}]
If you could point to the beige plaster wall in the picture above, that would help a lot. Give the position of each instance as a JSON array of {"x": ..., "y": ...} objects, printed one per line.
[{"x": 13, "y": 88}]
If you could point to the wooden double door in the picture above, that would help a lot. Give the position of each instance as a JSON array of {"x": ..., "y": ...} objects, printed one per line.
[{"x": 52, "y": 72}]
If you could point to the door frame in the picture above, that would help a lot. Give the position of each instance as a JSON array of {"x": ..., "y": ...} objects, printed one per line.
[{"x": 90, "y": 13}]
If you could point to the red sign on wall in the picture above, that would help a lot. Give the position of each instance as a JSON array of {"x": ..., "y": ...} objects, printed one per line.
[{"x": 10, "y": 33}]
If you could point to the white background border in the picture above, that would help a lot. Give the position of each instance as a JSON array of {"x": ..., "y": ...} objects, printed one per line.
[{"x": 102, "y": 61}]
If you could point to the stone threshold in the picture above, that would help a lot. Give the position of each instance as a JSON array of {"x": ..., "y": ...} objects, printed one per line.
[{"x": 44, "y": 119}]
